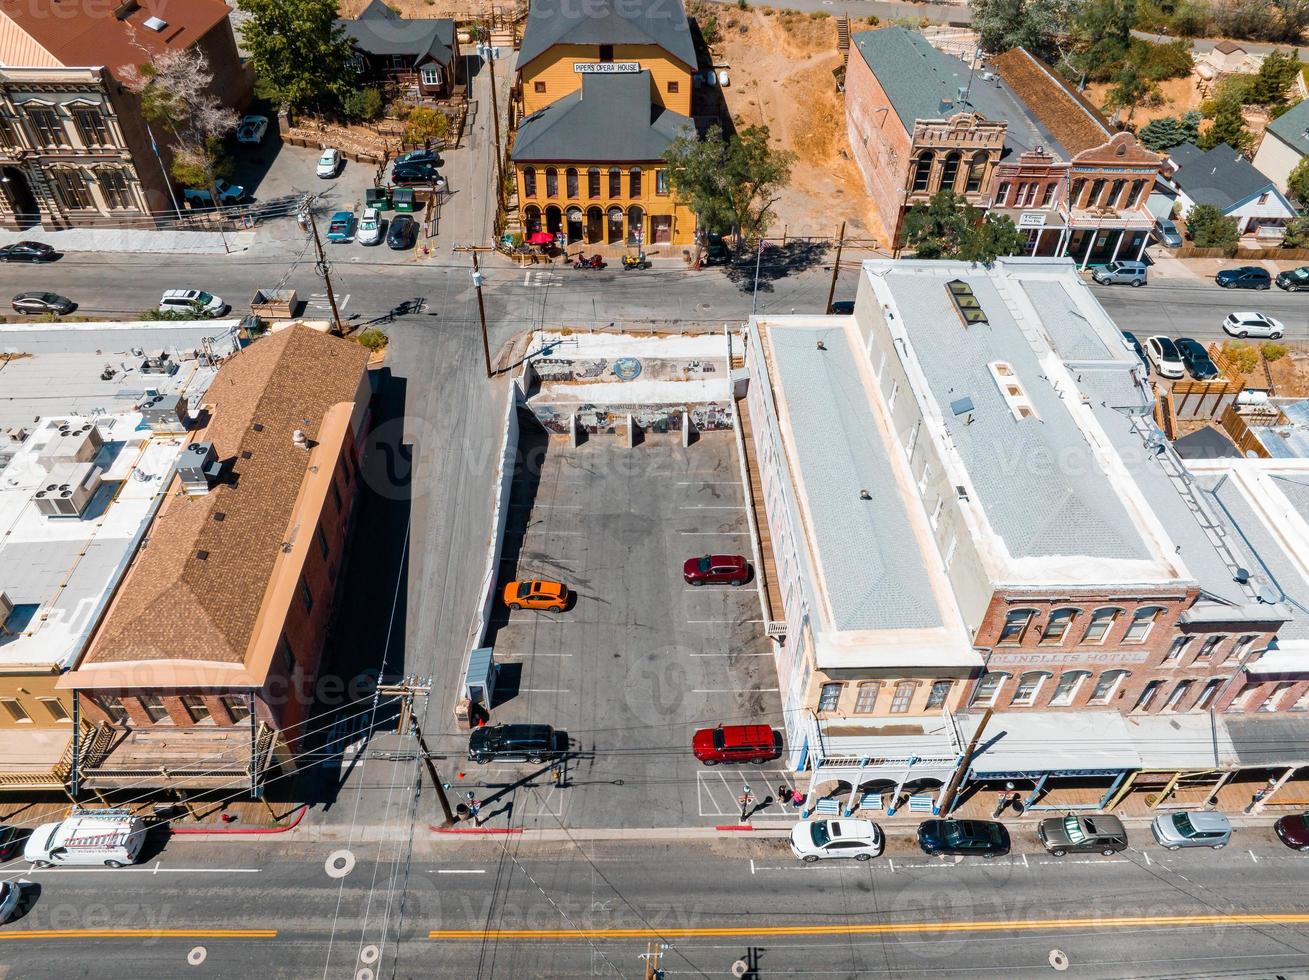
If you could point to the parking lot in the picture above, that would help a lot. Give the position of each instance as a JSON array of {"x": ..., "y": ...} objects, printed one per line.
[{"x": 640, "y": 659}]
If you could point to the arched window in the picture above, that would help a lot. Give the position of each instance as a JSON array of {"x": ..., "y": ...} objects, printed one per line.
[
  {"x": 571, "y": 181},
  {"x": 551, "y": 182},
  {"x": 950, "y": 170},
  {"x": 903, "y": 697},
  {"x": 531, "y": 219},
  {"x": 635, "y": 225},
  {"x": 593, "y": 182},
  {"x": 939, "y": 692},
  {"x": 922, "y": 170},
  {"x": 1070, "y": 682},
  {"x": 976, "y": 171},
  {"x": 634, "y": 182},
  {"x": 529, "y": 182},
  {"x": 1098, "y": 628},
  {"x": 1056, "y": 627},
  {"x": 1147, "y": 696},
  {"x": 615, "y": 182},
  {"x": 1016, "y": 622},
  {"x": 988, "y": 688},
  {"x": 1207, "y": 695},
  {"x": 1029, "y": 686},
  {"x": 829, "y": 699},
  {"x": 1143, "y": 621},
  {"x": 1106, "y": 686},
  {"x": 866, "y": 701}
]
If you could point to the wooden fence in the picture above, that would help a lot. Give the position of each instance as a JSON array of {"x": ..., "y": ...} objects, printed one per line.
[
  {"x": 1289, "y": 254},
  {"x": 1165, "y": 415},
  {"x": 1241, "y": 434}
]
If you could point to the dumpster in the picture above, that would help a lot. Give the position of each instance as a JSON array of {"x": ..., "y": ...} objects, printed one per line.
[
  {"x": 377, "y": 197},
  {"x": 274, "y": 304},
  {"x": 402, "y": 199}
]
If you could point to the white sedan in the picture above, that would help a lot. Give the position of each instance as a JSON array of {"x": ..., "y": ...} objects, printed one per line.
[
  {"x": 1253, "y": 325},
  {"x": 369, "y": 231},
  {"x": 329, "y": 164},
  {"x": 813, "y": 840},
  {"x": 1165, "y": 357},
  {"x": 252, "y": 129}
]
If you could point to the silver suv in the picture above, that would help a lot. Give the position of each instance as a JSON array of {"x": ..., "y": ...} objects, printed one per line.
[
  {"x": 1191, "y": 828},
  {"x": 195, "y": 301},
  {"x": 1132, "y": 273}
]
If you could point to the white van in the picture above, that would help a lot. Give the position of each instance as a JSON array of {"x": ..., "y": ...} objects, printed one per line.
[{"x": 112, "y": 838}]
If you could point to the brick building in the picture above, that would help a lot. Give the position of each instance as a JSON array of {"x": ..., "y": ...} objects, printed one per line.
[{"x": 205, "y": 665}]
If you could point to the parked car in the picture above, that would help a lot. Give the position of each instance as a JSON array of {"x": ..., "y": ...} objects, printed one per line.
[
  {"x": 553, "y": 596},
  {"x": 403, "y": 232},
  {"x": 38, "y": 302},
  {"x": 113, "y": 839},
  {"x": 716, "y": 251},
  {"x": 1293, "y": 280},
  {"x": 1130, "y": 272},
  {"x": 251, "y": 129},
  {"x": 28, "y": 252},
  {"x": 1196, "y": 359},
  {"x": 1165, "y": 356},
  {"x": 1082, "y": 834},
  {"x": 329, "y": 164},
  {"x": 1191, "y": 828},
  {"x": 11, "y": 841},
  {"x": 512, "y": 743},
  {"x": 419, "y": 156},
  {"x": 1245, "y": 277},
  {"x": 736, "y": 743},
  {"x": 370, "y": 227},
  {"x": 984, "y": 837},
  {"x": 843, "y": 307},
  {"x": 1136, "y": 346},
  {"x": 1251, "y": 324},
  {"x": 417, "y": 173},
  {"x": 813, "y": 840},
  {"x": 227, "y": 193},
  {"x": 10, "y": 894},
  {"x": 341, "y": 227},
  {"x": 195, "y": 301},
  {"x": 1293, "y": 830},
  {"x": 1167, "y": 233},
  {"x": 732, "y": 569}
]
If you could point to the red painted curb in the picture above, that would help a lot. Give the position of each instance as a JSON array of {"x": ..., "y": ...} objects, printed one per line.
[
  {"x": 733, "y": 826},
  {"x": 243, "y": 830},
  {"x": 474, "y": 830}
]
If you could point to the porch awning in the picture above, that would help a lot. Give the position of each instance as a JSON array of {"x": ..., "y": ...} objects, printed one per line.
[
  {"x": 1076, "y": 743},
  {"x": 1270, "y": 739}
]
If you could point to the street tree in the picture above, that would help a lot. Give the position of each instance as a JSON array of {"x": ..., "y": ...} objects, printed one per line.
[
  {"x": 948, "y": 227},
  {"x": 300, "y": 54},
  {"x": 1298, "y": 181},
  {"x": 1101, "y": 35},
  {"x": 1208, "y": 227},
  {"x": 731, "y": 183},
  {"x": 1037, "y": 25}
]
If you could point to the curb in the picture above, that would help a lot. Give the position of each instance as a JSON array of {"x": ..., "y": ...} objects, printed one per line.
[
  {"x": 484, "y": 831},
  {"x": 734, "y": 826},
  {"x": 242, "y": 831}
]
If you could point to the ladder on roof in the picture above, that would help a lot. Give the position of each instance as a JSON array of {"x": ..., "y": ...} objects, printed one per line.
[{"x": 843, "y": 37}]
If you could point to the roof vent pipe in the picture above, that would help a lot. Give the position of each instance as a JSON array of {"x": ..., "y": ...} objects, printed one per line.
[{"x": 298, "y": 437}]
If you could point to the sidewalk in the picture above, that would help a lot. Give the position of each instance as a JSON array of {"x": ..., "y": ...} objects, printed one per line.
[
  {"x": 203, "y": 818},
  {"x": 134, "y": 240},
  {"x": 1167, "y": 266}
]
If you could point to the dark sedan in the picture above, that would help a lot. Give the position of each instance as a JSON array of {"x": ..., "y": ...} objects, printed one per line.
[
  {"x": 1246, "y": 277},
  {"x": 1293, "y": 830},
  {"x": 38, "y": 302},
  {"x": 984, "y": 837},
  {"x": 1196, "y": 359},
  {"x": 402, "y": 233},
  {"x": 419, "y": 156},
  {"x": 1293, "y": 280},
  {"x": 28, "y": 252}
]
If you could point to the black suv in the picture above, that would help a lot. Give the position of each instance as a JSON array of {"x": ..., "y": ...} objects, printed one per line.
[
  {"x": 984, "y": 837},
  {"x": 512, "y": 743},
  {"x": 1245, "y": 277},
  {"x": 416, "y": 173},
  {"x": 1196, "y": 359}
]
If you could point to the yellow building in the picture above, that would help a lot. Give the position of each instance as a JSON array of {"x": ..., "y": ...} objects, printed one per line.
[{"x": 602, "y": 96}]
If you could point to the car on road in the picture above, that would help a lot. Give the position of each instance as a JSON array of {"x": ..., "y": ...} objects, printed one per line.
[
  {"x": 38, "y": 302},
  {"x": 1293, "y": 830},
  {"x": 28, "y": 252},
  {"x": 1196, "y": 359},
  {"x": 417, "y": 173},
  {"x": 194, "y": 301},
  {"x": 755, "y": 744},
  {"x": 1131, "y": 272},
  {"x": 551, "y": 596},
  {"x": 813, "y": 840},
  {"x": 341, "y": 227},
  {"x": 1244, "y": 277},
  {"x": 1167, "y": 233},
  {"x": 1251, "y": 324},
  {"x": 370, "y": 227},
  {"x": 251, "y": 129},
  {"x": 984, "y": 837},
  {"x": 11, "y": 841},
  {"x": 227, "y": 193},
  {"x": 11, "y": 892},
  {"x": 1135, "y": 344},
  {"x": 716, "y": 251},
  {"x": 732, "y": 569},
  {"x": 329, "y": 164},
  {"x": 107, "y": 838},
  {"x": 1191, "y": 828},
  {"x": 402, "y": 234},
  {"x": 512, "y": 743},
  {"x": 1082, "y": 833},
  {"x": 1293, "y": 280},
  {"x": 1165, "y": 356},
  {"x": 418, "y": 156}
]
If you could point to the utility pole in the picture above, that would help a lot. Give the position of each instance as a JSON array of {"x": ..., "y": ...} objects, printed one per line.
[
  {"x": 307, "y": 223},
  {"x": 836, "y": 269},
  {"x": 947, "y": 797},
  {"x": 481, "y": 315},
  {"x": 487, "y": 52},
  {"x": 754, "y": 299},
  {"x": 408, "y": 722}
]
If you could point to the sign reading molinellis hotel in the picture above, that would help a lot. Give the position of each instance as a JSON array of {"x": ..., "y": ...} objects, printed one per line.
[{"x": 606, "y": 67}]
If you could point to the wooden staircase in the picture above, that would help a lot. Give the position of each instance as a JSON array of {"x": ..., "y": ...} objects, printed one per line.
[{"x": 843, "y": 37}]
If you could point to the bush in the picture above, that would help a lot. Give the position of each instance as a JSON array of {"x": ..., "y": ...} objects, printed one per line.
[
  {"x": 363, "y": 103},
  {"x": 1273, "y": 351},
  {"x": 423, "y": 123},
  {"x": 1297, "y": 231},
  {"x": 709, "y": 30},
  {"x": 1243, "y": 357},
  {"x": 1162, "y": 61},
  {"x": 373, "y": 339},
  {"x": 1207, "y": 227}
]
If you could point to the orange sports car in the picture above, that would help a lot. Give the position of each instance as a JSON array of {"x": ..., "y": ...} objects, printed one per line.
[{"x": 553, "y": 596}]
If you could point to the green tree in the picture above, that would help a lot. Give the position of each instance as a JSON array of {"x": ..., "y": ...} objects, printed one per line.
[
  {"x": 1130, "y": 89},
  {"x": 1297, "y": 233},
  {"x": 1274, "y": 79},
  {"x": 1102, "y": 35},
  {"x": 948, "y": 227},
  {"x": 300, "y": 55},
  {"x": 1208, "y": 227},
  {"x": 1228, "y": 127},
  {"x": 1037, "y": 25},
  {"x": 363, "y": 103},
  {"x": 1169, "y": 131},
  {"x": 730, "y": 184},
  {"x": 1298, "y": 181},
  {"x": 423, "y": 123}
]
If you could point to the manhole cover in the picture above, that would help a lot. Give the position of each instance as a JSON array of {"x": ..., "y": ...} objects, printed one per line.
[
  {"x": 626, "y": 368},
  {"x": 197, "y": 955},
  {"x": 1059, "y": 959},
  {"x": 369, "y": 954},
  {"x": 339, "y": 864}
]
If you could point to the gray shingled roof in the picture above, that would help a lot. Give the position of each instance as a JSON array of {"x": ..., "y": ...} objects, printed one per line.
[
  {"x": 923, "y": 83},
  {"x": 1292, "y": 127},
  {"x": 610, "y": 119},
  {"x": 380, "y": 30},
  {"x": 1221, "y": 177},
  {"x": 659, "y": 22}
]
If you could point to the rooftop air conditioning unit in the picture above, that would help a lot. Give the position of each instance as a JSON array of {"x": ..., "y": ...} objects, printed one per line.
[
  {"x": 71, "y": 487},
  {"x": 165, "y": 413},
  {"x": 70, "y": 442},
  {"x": 198, "y": 467}
]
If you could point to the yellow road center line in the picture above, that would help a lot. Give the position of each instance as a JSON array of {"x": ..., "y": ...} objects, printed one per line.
[
  {"x": 878, "y": 928},
  {"x": 138, "y": 934}
]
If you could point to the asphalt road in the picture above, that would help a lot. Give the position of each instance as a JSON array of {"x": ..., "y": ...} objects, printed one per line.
[
  {"x": 508, "y": 909},
  {"x": 1188, "y": 308}
]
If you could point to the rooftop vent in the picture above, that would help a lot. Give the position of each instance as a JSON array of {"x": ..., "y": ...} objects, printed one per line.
[
  {"x": 126, "y": 9},
  {"x": 300, "y": 439},
  {"x": 156, "y": 24},
  {"x": 1012, "y": 391},
  {"x": 965, "y": 303}
]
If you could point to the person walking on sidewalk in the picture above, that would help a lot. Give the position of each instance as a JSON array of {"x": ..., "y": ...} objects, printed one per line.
[
  {"x": 783, "y": 794},
  {"x": 474, "y": 807}
]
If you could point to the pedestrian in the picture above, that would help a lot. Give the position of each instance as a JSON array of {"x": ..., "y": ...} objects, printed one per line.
[
  {"x": 797, "y": 799},
  {"x": 474, "y": 806},
  {"x": 783, "y": 794}
]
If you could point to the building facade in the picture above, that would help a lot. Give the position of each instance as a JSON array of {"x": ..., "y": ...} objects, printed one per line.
[
  {"x": 1284, "y": 144},
  {"x": 418, "y": 57}
]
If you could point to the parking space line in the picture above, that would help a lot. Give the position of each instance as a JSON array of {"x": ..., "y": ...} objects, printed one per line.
[{"x": 544, "y": 506}]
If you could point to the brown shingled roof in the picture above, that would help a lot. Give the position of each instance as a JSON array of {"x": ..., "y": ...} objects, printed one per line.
[
  {"x": 175, "y": 605},
  {"x": 1070, "y": 118}
]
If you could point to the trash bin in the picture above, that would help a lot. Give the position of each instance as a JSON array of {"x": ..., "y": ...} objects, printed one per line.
[
  {"x": 402, "y": 199},
  {"x": 377, "y": 197}
]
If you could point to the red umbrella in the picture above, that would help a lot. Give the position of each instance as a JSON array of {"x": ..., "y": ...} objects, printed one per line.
[{"x": 540, "y": 238}]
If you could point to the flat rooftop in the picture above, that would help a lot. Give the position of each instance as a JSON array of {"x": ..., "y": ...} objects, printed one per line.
[
  {"x": 882, "y": 582},
  {"x": 64, "y": 425}
]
